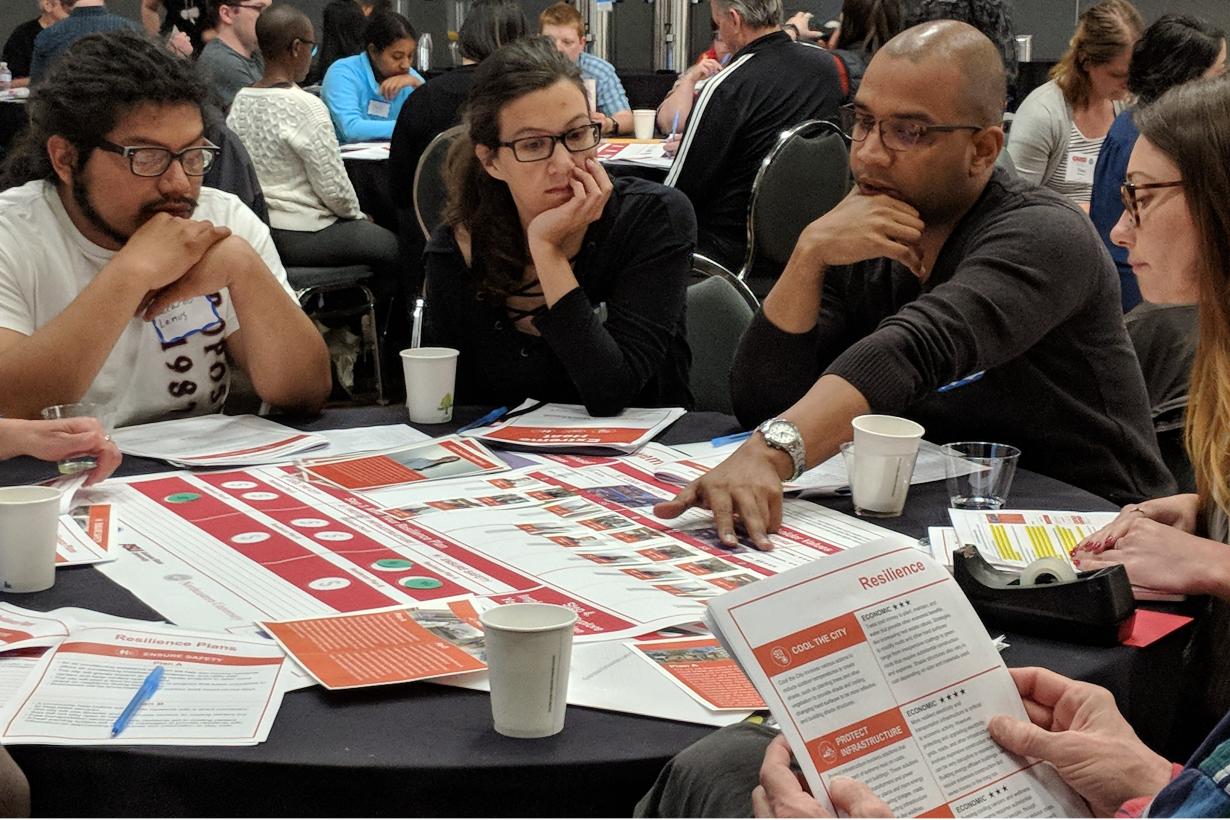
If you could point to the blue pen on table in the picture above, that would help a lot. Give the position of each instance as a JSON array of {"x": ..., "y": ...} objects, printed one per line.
[
  {"x": 731, "y": 439},
  {"x": 148, "y": 687},
  {"x": 492, "y": 417}
]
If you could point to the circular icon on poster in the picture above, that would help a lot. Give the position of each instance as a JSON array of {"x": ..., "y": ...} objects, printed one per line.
[
  {"x": 261, "y": 496},
  {"x": 238, "y": 485},
  {"x": 250, "y": 537},
  {"x": 326, "y": 584},
  {"x": 182, "y": 498},
  {"x": 780, "y": 656},
  {"x": 392, "y": 565},
  {"x": 332, "y": 535},
  {"x": 308, "y": 522},
  {"x": 417, "y": 582}
]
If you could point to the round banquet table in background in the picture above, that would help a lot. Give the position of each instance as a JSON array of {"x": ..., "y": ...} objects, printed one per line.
[{"x": 430, "y": 750}]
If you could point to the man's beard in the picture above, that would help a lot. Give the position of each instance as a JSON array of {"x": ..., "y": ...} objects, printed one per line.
[{"x": 81, "y": 196}]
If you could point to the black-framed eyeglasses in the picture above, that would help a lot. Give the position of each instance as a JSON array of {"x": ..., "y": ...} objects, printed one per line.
[
  {"x": 311, "y": 43},
  {"x": 152, "y": 161},
  {"x": 574, "y": 140},
  {"x": 1127, "y": 192},
  {"x": 253, "y": 6},
  {"x": 896, "y": 133}
]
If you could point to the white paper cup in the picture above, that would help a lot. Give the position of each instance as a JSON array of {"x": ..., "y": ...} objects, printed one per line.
[
  {"x": 879, "y": 483},
  {"x": 431, "y": 376},
  {"x": 529, "y": 650},
  {"x": 29, "y": 518},
  {"x": 643, "y": 122},
  {"x": 886, "y": 435}
]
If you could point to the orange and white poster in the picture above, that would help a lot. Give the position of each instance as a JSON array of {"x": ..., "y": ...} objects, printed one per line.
[
  {"x": 384, "y": 646},
  {"x": 569, "y": 428},
  {"x": 877, "y": 668},
  {"x": 86, "y": 535},
  {"x": 702, "y": 668},
  {"x": 450, "y": 457}
]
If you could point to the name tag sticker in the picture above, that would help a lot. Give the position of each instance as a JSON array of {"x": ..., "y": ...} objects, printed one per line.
[
  {"x": 378, "y": 108},
  {"x": 183, "y": 319},
  {"x": 1080, "y": 169}
]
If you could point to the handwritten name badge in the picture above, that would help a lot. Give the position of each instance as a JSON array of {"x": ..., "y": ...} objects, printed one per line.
[
  {"x": 1080, "y": 169},
  {"x": 185, "y": 318},
  {"x": 378, "y": 108}
]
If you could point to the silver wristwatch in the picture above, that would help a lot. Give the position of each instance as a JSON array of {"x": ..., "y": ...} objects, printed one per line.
[{"x": 781, "y": 434}]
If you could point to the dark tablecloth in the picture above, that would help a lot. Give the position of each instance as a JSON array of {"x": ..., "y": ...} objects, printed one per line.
[{"x": 422, "y": 749}]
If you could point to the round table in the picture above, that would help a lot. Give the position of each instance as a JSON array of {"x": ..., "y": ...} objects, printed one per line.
[{"x": 422, "y": 749}]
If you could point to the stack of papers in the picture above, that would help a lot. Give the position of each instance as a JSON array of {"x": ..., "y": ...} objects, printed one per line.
[
  {"x": 449, "y": 457},
  {"x": 646, "y": 154},
  {"x": 567, "y": 428},
  {"x": 216, "y": 441},
  {"x": 366, "y": 150}
]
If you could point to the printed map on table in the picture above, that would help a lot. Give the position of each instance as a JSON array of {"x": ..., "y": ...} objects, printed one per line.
[{"x": 220, "y": 550}]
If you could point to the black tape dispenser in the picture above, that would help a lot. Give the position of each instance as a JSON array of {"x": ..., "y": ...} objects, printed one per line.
[{"x": 1049, "y": 599}]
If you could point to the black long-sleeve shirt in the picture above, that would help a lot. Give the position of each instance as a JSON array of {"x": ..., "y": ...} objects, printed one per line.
[
  {"x": 1024, "y": 292},
  {"x": 771, "y": 84},
  {"x": 618, "y": 340},
  {"x": 430, "y": 110}
]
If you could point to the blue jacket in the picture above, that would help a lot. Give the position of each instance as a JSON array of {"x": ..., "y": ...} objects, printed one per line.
[
  {"x": 360, "y": 112},
  {"x": 1105, "y": 206}
]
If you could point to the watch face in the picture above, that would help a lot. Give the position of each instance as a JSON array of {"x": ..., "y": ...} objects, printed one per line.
[{"x": 779, "y": 433}]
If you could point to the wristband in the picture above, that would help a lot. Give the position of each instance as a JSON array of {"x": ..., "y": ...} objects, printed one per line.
[{"x": 792, "y": 27}]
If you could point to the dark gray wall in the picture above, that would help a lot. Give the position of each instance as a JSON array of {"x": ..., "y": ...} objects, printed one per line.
[{"x": 1049, "y": 21}]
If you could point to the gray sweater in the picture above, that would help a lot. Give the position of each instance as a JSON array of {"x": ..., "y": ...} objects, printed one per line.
[{"x": 1024, "y": 290}]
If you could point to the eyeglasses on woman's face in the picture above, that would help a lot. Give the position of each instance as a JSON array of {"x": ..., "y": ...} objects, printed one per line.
[
  {"x": 1131, "y": 202},
  {"x": 538, "y": 148}
]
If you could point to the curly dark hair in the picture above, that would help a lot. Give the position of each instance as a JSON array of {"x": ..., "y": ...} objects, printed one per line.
[
  {"x": 93, "y": 85},
  {"x": 477, "y": 201}
]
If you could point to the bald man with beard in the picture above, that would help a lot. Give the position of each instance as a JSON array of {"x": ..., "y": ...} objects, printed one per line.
[{"x": 941, "y": 289}]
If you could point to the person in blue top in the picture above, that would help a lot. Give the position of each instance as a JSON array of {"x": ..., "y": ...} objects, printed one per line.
[
  {"x": 365, "y": 92},
  {"x": 1175, "y": 49}
]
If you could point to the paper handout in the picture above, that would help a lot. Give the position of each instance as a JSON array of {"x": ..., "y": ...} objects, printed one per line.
[
  {"x": 449, "y": 457},
  {"x": 567, "y": 428},
  {"x": 216, "y": 441},
  {"x": 877, "y": 668}
]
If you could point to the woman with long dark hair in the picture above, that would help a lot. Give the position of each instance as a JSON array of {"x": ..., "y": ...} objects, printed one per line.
[{"x": 554, "y": 282}]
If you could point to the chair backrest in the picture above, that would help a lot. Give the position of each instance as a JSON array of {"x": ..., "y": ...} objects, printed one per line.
[
  {"x": 800, "y": 180},
  {"x": 720, "y": 307},
  {"x": 430, "y": 194}
]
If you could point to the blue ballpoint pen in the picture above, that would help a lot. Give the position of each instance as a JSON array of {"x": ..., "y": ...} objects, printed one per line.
[
  {"x": 148, "y": 687},
  {"x": 731, "y": 439},
  {"x": 674, "y": 127},
  {"x": 492, "y": 417}
]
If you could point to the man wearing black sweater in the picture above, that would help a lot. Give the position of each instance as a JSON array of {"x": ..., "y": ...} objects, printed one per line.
[{"x": 938, "y": 269}]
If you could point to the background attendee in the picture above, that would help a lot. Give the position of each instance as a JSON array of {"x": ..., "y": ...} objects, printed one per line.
[
  {"x": 992, "y": 17},
  {"x": 19, "y": 47},
  {"x": 366, "y": 92},
  {"x": 1059, "y": 128},
  {"x": 1174, "y": 49},
  {"x": 85, "y": 17},
  {"x": 112, "y": 226},
  {"x": 673, "y": 111},
  {"x": 564, "y": 24},
  {"x": 865, "y": 26},
  {"x": 770, "y": 84},
  {"x": 232, "y": 59},
  {"x": 1176, "y": 227},
  {"x": 190, "y": 17},
  {"x": 437, "y": 106},
  {"x": 551, "y": 280},
  {"x": 341, "y": 33}
]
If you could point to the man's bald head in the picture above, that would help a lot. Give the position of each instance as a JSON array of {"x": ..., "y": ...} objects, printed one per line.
[
  {"x": 983, "y": 88},
  {"x": 278, "y": 27}
]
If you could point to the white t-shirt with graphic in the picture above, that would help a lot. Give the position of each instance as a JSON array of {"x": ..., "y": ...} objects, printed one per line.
[{"x": 45, "y": 262}]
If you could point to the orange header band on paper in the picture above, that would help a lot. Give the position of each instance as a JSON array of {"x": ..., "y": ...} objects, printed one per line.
[
  {"x": 806, "y": 645},
  {"x": 849, "y": 743},
  {"x": 145, "y": 653}
]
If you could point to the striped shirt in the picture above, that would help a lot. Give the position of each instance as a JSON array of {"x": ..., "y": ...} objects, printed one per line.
[
  {"x": 610, "y": 91},
  {"x": 1074, "y": 175},
  {"x": 56, "y": 38}
]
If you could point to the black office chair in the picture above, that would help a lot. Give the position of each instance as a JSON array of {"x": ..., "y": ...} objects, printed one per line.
[
  {"x": 720, "y": 307},
  {"x": 430, "y": 195},
  {"x": 800, "y": 180}
]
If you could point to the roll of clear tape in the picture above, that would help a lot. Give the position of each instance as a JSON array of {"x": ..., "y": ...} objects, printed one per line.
[{"x": 1049, "y": 570}]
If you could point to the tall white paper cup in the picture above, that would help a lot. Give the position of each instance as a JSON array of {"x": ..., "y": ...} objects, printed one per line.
[
  {"x": 886, "y": 435},
  {"x": 431, "y": 375},
  {"x": 529, "y": 650},
  {"x": 643, "y": 121},
  {"x": 29, "y": 517}
]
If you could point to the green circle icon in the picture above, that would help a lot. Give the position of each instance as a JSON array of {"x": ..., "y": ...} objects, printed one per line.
[
  {"x": 392, "y": 564},
  {"x": 182, "y": 498},
  {"x": 417, "y": 582}
]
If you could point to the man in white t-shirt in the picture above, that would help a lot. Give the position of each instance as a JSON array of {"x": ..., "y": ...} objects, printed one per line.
[{"x": 123, "y": 281}]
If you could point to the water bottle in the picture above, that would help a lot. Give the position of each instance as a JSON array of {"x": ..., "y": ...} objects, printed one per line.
[
  {"x": 6, "y": 78},
  {"x": 424, "y": 53}
]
